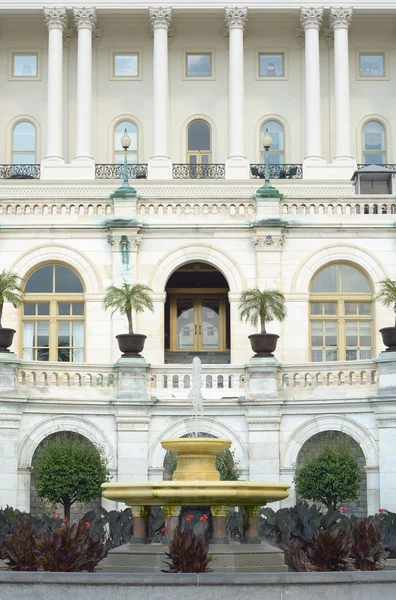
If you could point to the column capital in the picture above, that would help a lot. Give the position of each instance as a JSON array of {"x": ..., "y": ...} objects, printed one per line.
[
  {"x": 340, "y": 18},
  {"x": 55, "y": 18},
  {"x": 160, "y": 17},
  {"x": 84, "y": 18},
  {"x": 236, "y": 18},
  {"x": 311, "y": 18}
]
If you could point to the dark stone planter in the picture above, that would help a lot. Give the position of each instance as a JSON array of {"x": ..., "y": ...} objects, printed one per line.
[
  {"x": 263, "y": 344},
  {"x": 6, "y": 337},
  {"x": 131, "y": 344},
  {"x": 389, "y": 338}
]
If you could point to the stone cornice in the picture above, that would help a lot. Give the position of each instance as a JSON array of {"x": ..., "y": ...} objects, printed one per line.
[
  {"x": 160, "y": 17},
  {"x": 236, "y": 18},
  {"x": 55, "y": 18},
  {"x": 340, "y": 18},
  {"x": 311, "y": 18},
  {"x": 84, "y": 17}
]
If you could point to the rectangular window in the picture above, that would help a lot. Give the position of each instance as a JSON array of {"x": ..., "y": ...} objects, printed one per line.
[
  {"x": 271, "y": 65},
  {"x": 36, "y": 340},
  {"x": 125, "y": 64},
  {"x": 324, "y": 341},
  {"x": 198, "y": 65},
  {"x": 372, "y": 64},
  {"x": 24, "y": 65}
]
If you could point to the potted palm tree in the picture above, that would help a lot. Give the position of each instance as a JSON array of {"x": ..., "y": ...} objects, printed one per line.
[
  {"x": 387, "y": 296},
  {"x": 10, "y": 291},
  {"x": 262, "y": 306},
  {"x": 126, "y": 299}
]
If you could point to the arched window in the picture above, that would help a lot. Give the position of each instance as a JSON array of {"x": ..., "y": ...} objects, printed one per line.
[
  {"x": 374, "y": 143},
  {"x": 277, "y": 150},
  {"x": 24, "y": 143},
  {"x": 53, "y": 315},
  {"x": 341, "y": 314},
  {"x": 119, "y": 131},
  {"x": 199, "y": 148}
]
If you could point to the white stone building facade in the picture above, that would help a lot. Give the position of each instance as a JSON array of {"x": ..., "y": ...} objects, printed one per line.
[{"x": 197, "y": 84}]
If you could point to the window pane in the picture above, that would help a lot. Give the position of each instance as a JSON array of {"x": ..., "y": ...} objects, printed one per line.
[
  {"x": 29, "y": 309},
  {"x": 316, "y": 355},
  {"x": 77, "y": 309},
  {"x": 271, "y": 65},
  {"x": 274, "y": 159},
  {"x": 198, "y": 136},
  {"x": 351, "y": 354},
  {"x": 64, "y": 354},
  {"x": 40, "y": 281},
  {"x": 351, "y": 308},
  {"x": 42, "y": 333},
  {"x": 316, "y": 333},
  {"x": 374, "y": 159},
  {"x": 199, "y": 65},
  {"x": 353, "y": 280},
  {"x": 275, "y": 129},
  {"x": 330, "y": 308},
  {"x": 63, "y": 309},
  {"x": 24, "y": 136},
  {"x": 67, "y": 281},
  {"x": 373, "y": 136},
  {"x": 365, "y": 353},
  {"x": 316, "y": 308},
  {"x": 119, "y": 132},
  {"x": 331, "y": 355},
  {"x": 25, "y": 65},
  {"x": 365, "y": 333},
  {"x": 23, "y": 158},
  {"x": 364, "y": 308},
  {"x": 126, "y": 65},
  {"x": 331, "y": 333},
  {"x": 42, "y": 354},
  {"x": 351, "y": 333},
  {"x": 43, "y": 309},
  {"x": 326, "y": 280},
  {"x": 372, "y": 65},
  {"x": 64, "y": 333}
]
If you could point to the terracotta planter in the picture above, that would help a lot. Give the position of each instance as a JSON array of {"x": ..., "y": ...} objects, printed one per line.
[
  {"x": 389, "y": 338},
  {"x": 131, "y": 344},
  {"x": 6, "y": 337},
  {"x": 263, "y": 344}
]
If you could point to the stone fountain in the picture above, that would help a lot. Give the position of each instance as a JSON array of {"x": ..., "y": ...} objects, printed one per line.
[{"x": 196, "y": 482}]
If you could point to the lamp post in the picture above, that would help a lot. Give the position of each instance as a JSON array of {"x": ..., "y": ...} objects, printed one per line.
[
  {"x": 267, "y": 190},
  {"x": 125, "y": 189}
]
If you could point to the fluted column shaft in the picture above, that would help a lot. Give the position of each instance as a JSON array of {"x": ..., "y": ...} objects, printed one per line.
[
  {"x": 85, "y": 19},
  {"x": 340, "y": 19},
  {"x": 311, "y": 19},
  {"x": 160, "y": 19},
  {"x": 55, "y": 19}
]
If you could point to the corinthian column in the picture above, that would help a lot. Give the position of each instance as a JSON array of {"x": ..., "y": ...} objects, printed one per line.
[
  {"x": 311, "y": 20},
  {"x": 55, "y": 19},
  {"x": 340, "y": 19},
  {"x": 160, "y": 165},
  {"x": 85, "y": 19},
  {"x": 237, "y": 166}
]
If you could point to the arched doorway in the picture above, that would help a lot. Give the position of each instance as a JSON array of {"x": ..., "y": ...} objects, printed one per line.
[
  {"x": 335, "y": 438},
  {"x": 197, "y": 315},
  {"x": 78, "y": 509}
]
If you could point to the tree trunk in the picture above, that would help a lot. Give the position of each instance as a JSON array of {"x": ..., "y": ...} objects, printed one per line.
[
  {"x": 129, "y": 317},
  {"x": 394, "y": 310},
  {"x": 1, "y": 313},
  {"x": 66, "y": 508},
  {"x": 262, "y": 322}
]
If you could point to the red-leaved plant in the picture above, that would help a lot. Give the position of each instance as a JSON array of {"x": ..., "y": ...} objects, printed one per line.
[
  {"x": 368, "y": 551},
  {"x": 19, "y": 549},
  {"x": 188, "y": 552}
]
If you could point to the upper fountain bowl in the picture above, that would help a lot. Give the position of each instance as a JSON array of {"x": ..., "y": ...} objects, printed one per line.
[{"x": 196, "y": 457}]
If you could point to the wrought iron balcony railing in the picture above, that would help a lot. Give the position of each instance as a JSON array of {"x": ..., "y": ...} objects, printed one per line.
[
  {"x": 113, "y": 171},
  {"x": 276, "y": 171},
  {"x": 387, "y": 166},
  {"x": 185, "y": 171},
  {"x": 19, "y": 171}
]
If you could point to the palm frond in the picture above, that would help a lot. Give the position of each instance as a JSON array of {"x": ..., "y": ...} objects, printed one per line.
[
  {"x": 387, "y": 294},
  {"x": 262, "y": 305},
  {"x": 10, "y": 288},
  {"x": 136, "y": 297}
]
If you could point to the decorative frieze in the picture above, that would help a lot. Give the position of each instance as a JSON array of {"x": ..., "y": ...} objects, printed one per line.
[
  {"x": 388, "y": 421},
  {"x": 133, "y": 423},
  {"x": 84, "y": 18},
  {"x": 160, "y": 17},
  {"x": 55, "y": 18},
  {"x": 263, "y": 423},
  {"x": 236, "y": 18},
  {"x": 269, "y": 243},
  {"x": 123, "y": 243},
  {"x": 340, "y": 18},
  {"x": 311, "y": 18},
  {"x": 9, "y": 421}
]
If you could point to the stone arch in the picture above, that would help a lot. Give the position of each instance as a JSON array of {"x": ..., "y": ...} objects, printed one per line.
[
  {"x": 200, "y": 253},
  {"x": 330, "y": 254},
  {"x": 39, "y": 255},
  {"x": 86, "y": 428},
  {"x": 319, "y": 424},
  {"x": 177, "y": 430}
]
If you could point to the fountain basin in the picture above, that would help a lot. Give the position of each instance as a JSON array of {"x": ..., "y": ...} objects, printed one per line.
[{"x": 196, "y": 457}]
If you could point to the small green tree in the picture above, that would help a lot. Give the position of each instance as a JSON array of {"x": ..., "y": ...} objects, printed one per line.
[
  {"x": 128, "y": 298},
  {"x": 262, "y": 306},
  {"x": 332, "y": 476},
  {"x": 387, "y": 294},
  {"x": 69, "y": 469},
  {"x": 10, "y": 291}
]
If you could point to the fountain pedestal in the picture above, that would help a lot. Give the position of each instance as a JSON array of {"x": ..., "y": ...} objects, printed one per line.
[
  {"x": 219, "y": 524},
  {"x": 140, "y": 516}
]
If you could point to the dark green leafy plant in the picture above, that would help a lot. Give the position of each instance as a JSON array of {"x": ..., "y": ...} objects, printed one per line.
[
  {"x": 388, "y": 529},
  {"x": 368, "y": 551},
  {"x": 387, "y": 294},
  {"x": 332, "y": 476},
  {"x": 330, "y": 551},
  {"x": 262, "y": 306},
  {"x": 128, "y": 298},
  {"x": 10, "y": 291},
  {"x": 69, "y": 469},
  {"x": 19, "y": 548},
  {"x": 114, "y": 527},
  {"x": 188, "y": 552}
]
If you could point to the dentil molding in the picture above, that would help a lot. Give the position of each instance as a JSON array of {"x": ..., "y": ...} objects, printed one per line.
[
  {"x": 311, "y": 18},
  {"x": 55, "y": 18},
  {"x": 160, "y": 17},
  {"x": 84, "y": 18},
  {"x": 236, "y": 18},
  {"x": 340, "y": 18}
]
